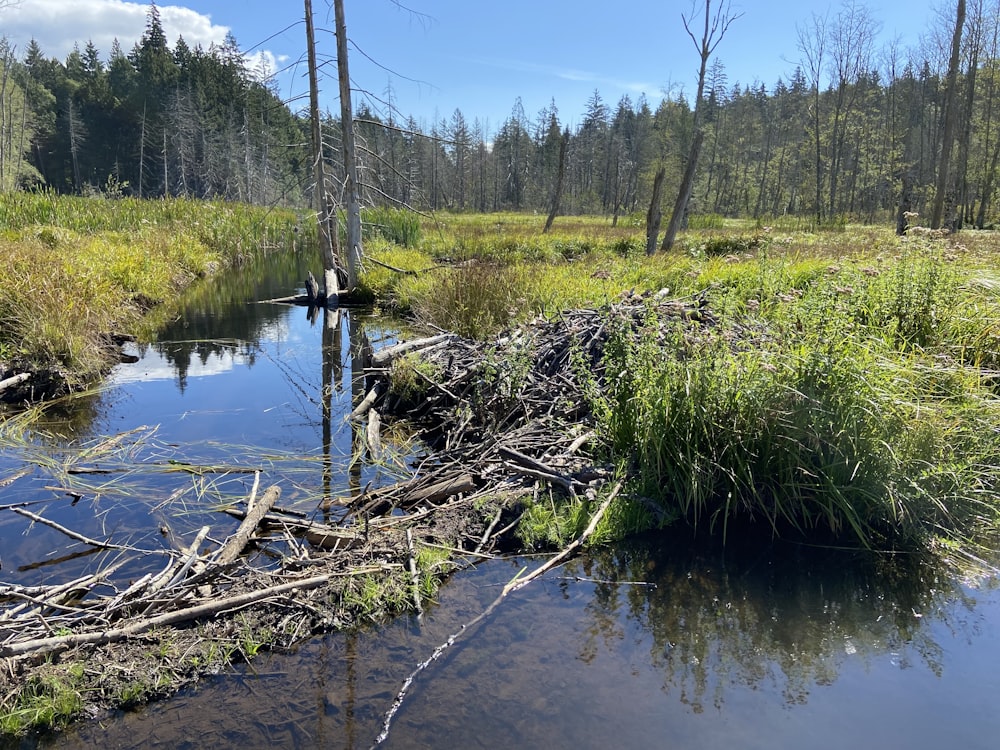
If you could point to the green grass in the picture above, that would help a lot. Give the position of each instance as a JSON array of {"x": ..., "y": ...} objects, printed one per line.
[
  {"x": 847, "y": 392},
  {"x": 50, "y": 699},
  {"x": 78, "y": 268}
]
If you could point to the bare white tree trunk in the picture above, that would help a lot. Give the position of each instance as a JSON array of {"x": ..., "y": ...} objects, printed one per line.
[
  {"x": 715, "y": 29},
  {"x": 321, "y": 196},
  {"x": 354, "y": 248}
]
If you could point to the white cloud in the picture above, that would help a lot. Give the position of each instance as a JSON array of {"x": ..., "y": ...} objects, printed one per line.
[
  {"x": 57, "y": 24},
  {"x": 571, "y": 74}
]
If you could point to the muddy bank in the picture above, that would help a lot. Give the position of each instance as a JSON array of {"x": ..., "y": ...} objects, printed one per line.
[{"x": 23, "y": 382}]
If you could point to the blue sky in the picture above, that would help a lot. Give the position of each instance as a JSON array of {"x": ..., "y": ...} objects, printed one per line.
[{"x": 477, "y": 55}]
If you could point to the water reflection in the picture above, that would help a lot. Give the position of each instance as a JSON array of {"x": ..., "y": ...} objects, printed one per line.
[
  {"x": 790, "y": 617},
  {"x": 651, "y": 644},
  {"x": 227, "y": 387}
]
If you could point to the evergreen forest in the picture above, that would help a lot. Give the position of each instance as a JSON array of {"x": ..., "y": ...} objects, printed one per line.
[{"x": 853, "y": 134}]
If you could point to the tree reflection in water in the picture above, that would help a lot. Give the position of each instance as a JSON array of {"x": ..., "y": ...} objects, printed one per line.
[{"x": 790, "y": 617}]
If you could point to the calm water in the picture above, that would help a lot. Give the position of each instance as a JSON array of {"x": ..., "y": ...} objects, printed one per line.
[{"x": 655, "y": 643}]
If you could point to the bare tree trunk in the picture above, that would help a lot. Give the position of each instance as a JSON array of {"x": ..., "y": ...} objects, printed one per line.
[
  {"x": 354, "y": 248},
  {"x": 4, "y": 150},
  {"x": 557, "y": 194},
  {"x": 75, "y": 137},
  {"x": 166, "y": 173},
  {"x": 654, "y": 215},
  {"x": 687, "y": 186},
  {"x": 950, "y": 116},
  {"x": 714, "y": 30},
  {"x": 142, "y": 147},
  {"x": 321, "y": 196}
]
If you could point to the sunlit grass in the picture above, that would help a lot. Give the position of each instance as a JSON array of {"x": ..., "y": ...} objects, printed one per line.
[
  {"x": 847, "y": 388},
  {"x": 77, "y": 269}
]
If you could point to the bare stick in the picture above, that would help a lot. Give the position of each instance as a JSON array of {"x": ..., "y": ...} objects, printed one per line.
[
  {"x": 365, "y": 404},
  {"x": 373, "y": 436},
  {"x": 414, "y": 577},
  {"x": 253, "y": 491},
  {"x": 486, "y": 534},
  {"x": 14, "y": 380},
  {"x": 14, "y": 477},
  {"x": 234, "y": 546},
  {"x": 515, "y": 584},
  {"x": 191, "y": 553},
  {"x": 383, "y": 357},
  {"x": 579, "y": 442},
  {"x": 72, "y": 534}
]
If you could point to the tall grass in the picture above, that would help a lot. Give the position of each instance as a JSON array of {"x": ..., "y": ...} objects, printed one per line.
[
  {"x": 826, "y": 413},
  {"x": 78, "y": 268},
  {"x": 847, "y": 389}
]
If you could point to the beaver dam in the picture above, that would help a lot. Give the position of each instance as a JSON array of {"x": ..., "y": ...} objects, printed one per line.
[
  {"x": 507, "y": 422},
  {"x": 525, "y": 449}
]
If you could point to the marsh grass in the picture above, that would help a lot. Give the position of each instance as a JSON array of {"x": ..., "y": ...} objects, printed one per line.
[
  {"x": 50, "y": 699},
  {"x": 837, "y": 423},
  {"x": 77, "y": 269},
  {"x": 848, "y": 390}
]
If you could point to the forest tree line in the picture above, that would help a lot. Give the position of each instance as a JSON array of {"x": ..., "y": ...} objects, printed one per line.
[{"x": 853, "y": 126}]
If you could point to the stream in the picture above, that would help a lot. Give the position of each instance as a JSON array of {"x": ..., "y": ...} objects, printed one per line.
[{"x": 656, "y": 642}]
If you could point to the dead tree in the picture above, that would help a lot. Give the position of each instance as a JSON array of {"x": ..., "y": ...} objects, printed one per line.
[
  {"x": 321, "y": 195},
  {"x": 950, "y": 117},
  {"x": 715, "y": 29},
  {"x": 354, "y": 248},
  {"x": 655, "y": 214},
  {"x": 557, "y": 193}
]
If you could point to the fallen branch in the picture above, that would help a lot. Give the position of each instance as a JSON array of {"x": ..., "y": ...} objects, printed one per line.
[
  {"x": 384, "y": 357},
  {"x": 512, "y": 586},
  {"x": 235, "y": 544},
  {"x": 73, "y": 535},
  {"x": 377, "y": 262},
  {"x": 14, "y": 380},
  {"x": 320, "y": 535},
  {"x": 366, "y": 403}
]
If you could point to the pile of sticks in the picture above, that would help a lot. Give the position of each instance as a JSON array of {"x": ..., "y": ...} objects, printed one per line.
[
  {"x": 506, "y": 420},
  {"x": 510, "y": 417},
  {"x": 198, "y": 581}
]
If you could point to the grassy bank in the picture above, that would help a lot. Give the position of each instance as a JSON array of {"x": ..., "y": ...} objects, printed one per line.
[
  {"x": 78, "y": 269},
  {"x": 846, "y": 391}
]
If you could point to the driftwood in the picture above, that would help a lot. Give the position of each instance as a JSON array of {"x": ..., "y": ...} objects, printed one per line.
[
  {"x": 365, "y": 403},
  {"x": 69, "y": 532},
  {"x": 373, "y": 435},
  {"x": 318, "y": 534},
  {"x": 384, "y": 357},
  {"x": 432, "y": 488},
  {"x": 234, "y": 546},
  {"x": 14, "y": 380}
]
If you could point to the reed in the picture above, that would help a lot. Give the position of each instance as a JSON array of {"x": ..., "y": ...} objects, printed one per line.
[{"x": 79, "y": 268}]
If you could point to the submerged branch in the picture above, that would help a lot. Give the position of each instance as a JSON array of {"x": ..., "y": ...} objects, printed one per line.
[{"x": 516, "y": 583}]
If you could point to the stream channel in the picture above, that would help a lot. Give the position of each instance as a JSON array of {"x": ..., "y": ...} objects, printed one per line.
[{"x": 656, "y": 642}]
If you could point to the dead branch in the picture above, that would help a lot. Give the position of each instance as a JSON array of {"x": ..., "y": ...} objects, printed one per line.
[
  {"x": 384, "y": 357},
  {"x": 234, "y": 546},
  {"x": 515, "y": 584},
  {"x": 14, "y": 380},
  {"x": 72, "y": 534}
]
